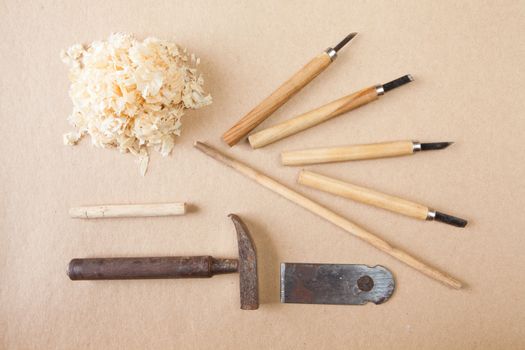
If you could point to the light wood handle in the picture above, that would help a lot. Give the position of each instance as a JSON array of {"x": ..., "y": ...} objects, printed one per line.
[
  {"x": 133, "y": 210},
  {"x": 312, "y": 118},
  {"x": 363, "y": 195},
  {"x": 330, "y": 216},
  {"x": 346, "y": 153},
  {"x": 283, "y": 93}
]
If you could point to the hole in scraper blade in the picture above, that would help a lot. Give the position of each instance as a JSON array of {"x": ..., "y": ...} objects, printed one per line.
[{"x": 365, "y": 283}]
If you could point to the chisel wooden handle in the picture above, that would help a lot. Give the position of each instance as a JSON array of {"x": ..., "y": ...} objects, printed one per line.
[
  {"x": 346, "y": 153},
  {"x": 148, "y": 268},
  {"x": 363, "y": 195},
  {"x": 312, "y": 118},
  {"x": 324, "y": 113},
  {"x": 277, "y": 99}
]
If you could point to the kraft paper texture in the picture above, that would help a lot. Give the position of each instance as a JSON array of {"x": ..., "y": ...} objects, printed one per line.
[{"x": 468, "y": 61}]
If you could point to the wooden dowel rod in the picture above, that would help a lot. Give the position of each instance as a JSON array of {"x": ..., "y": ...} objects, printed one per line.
[
  {"x": 347, "y": 153},
  {"x": 313, "y": 117},
  {"x": 363, "y": 195},
  {"x": 329, "y": 215},
  {"x": 131, "y": 210}
]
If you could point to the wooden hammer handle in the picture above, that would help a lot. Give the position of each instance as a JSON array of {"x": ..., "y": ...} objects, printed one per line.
[
  {"x": 148, "y": 268},
  {"x": 312, "y": 118},
  {"x": 277, "y": 99},
  {"x": 346, "y": 153},
  {"x": 363, "y": 195}
]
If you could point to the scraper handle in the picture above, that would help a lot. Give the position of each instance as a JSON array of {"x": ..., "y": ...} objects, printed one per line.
[
  {"x": 283, "y": 93},
  {"x": 148, "y": 268}
]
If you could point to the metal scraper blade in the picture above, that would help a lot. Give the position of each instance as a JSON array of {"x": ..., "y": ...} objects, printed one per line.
[{"x": 335, "y": 284}]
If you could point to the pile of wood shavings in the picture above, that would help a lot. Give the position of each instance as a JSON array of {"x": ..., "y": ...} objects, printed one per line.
[{"x": 130, "y": 94}]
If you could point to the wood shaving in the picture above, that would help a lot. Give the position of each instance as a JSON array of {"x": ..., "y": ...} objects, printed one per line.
[{"x": 131, "y": 95}]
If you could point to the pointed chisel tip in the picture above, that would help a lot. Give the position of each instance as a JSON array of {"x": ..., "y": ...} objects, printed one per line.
[
  {"x": 344, "y": 41},
  {"x": 432, "y": 146}
]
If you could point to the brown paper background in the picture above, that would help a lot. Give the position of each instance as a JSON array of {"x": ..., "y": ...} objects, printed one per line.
[{"x": 468, "y": 62}]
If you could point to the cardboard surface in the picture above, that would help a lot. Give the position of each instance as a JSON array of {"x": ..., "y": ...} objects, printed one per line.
[{"x": 468, "y": 62}]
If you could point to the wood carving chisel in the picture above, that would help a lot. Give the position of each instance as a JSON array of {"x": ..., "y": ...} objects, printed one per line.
[
  {"x": 329, "y": 215},
  {"x": 324, "y": 113},
  {"x": 376, "y": 199},
  {"x": 335, "y": 284},
  {"x": 358, "y": 152},
  {"x": 283, "y": 93}
]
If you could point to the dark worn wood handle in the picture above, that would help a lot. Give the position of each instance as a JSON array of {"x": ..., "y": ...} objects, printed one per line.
[{"x": 146, "y": 268}]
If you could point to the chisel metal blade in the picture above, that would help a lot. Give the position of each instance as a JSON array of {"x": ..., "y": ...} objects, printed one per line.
[{"x": 335, "y": 284}]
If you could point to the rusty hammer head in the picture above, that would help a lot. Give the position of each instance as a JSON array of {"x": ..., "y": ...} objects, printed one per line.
[
  {"x": 179, "y": 267},
  {"x": 247, "y": 266}
]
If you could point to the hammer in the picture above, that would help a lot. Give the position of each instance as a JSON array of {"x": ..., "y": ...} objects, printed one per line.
[{"x": 179, "y": 267}]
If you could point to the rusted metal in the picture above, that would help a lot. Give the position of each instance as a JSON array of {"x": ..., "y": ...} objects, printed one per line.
[
  {"x": 335, "y": 284},
  {"x": 365, "y": 283},
  {"x": 143, "y": 268},
  {"x": 247, "y": 266},
  {"x": 179, "y": 267},
  {"x": 219, "y": 266}
]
